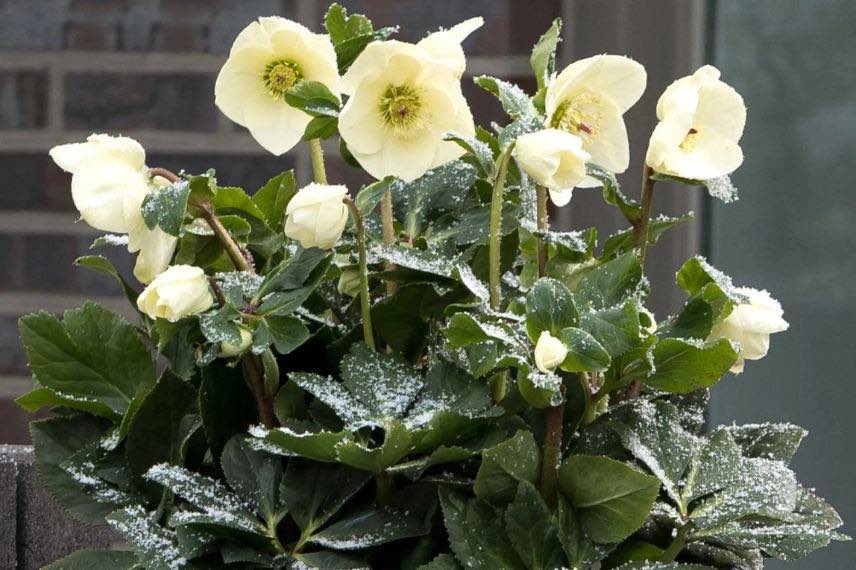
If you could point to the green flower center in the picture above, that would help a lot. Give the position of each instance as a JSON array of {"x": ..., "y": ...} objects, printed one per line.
[
  {"x": 399, "y": 107},
  {"x": 280, "y": 76},
  {"x": 578, "y": 115}
]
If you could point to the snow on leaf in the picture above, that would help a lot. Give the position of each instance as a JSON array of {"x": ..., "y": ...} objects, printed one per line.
[{"x": 156, "y": 544}]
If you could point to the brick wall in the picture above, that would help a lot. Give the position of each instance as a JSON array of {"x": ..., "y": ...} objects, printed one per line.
[{"x": 146, "y": 68}]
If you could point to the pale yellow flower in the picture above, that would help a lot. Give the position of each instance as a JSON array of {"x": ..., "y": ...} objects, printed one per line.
[
  {"x": 701, "y": 122},
  {"x": 268, "y": 58},
  {"x": 554, "y": 159},
  {"x": 403, "y": 99},
  {"x": 588, "y": 99}
]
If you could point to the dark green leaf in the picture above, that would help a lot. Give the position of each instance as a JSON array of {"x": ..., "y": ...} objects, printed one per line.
[
  {"x": 157, "y": 431},
  {"x": 530, "y": 529},
  {"x": 225, "y": 404},
  {"x": 768, "y": 441},
  {"x": 89, "y": 559},
  {"x": 578, "y": 547},
  {"x": 272, "y": 198},
  {"x": 55, "y": 441},
  {"x": 609, "y": 284},
  {"x": 612, "y": 193},
  {"x": 92, "y": 354},
  {"x": 153, "y": 543},
  {"x": 611, "y": 498},
  {"x": 505, "y": 465},
  {"x": 285, "y": 333},
  {"x": 166, "y": 208},
  {"x": 476, "y": 533},
  {"x": 623, "y": 241},
  {"x": 296, "y": 438},
  {"x": 255, "y": 476},
  {"x": 370, "y": 196},
  {"x": 481, "y": 153},
  {"x": 543, "y": 58},
  {"x": 615, "y": 328},
  {"x": 100, "y": 264},
  {"x": 549, "y": 307},
  {"x": 314, "y": 492},
  {"x": 397, "y": 443},
  {"x": 514, "y": 100},
  {"x": 313, "y": 98},
  {"x": 585, "y": 353},
  {"x": 687, "y": 365}
]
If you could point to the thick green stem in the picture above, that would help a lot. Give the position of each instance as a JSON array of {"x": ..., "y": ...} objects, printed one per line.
[
  {"x": 496, "y": 226},
  {"x": 365, "y": 303},
  {"x": 317, "y": 154},
  {"x": 640, "y": 228},
  {"x": 264, "y": 405},
  {"x": 554, "y": 420},
  {"x": 678, "y": 544},
  {"x": 543, "y": 225}
]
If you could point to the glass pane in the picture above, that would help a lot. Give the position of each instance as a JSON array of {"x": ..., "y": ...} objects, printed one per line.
[{"x": 792, "y": 231}]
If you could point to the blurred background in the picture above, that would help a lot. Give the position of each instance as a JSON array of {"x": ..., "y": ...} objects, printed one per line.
[{"x": 146, "y": 69}]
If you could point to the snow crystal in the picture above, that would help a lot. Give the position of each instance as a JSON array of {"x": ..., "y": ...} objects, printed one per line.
[{"x": 722, "y": 188}]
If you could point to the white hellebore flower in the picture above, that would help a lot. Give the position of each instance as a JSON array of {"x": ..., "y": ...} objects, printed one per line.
[
  {"x": 403, "y": 99},
  {"x": 550, "y": 352},
  {"x": 588, "y": 99},
  {"x": 108, "y": 185},
  {"x": 180, "y": 291},
  {"x": 701, "y": 122},
  {"x": 750, "y": 325},
  {"x": 268, "y": 58},
  {"x": 316, "y": 215},
  {"x": 554, "y": 159}
]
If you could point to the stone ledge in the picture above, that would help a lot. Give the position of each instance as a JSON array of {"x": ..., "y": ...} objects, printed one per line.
[{"x": 34, "y": 529}]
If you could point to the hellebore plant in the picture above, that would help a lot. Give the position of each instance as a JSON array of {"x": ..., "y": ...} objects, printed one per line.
[{"x": 425, "y": 375}]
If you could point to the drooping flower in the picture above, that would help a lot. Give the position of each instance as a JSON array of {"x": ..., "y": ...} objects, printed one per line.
[
  {"x": 750, "y": 325},
  {"x": 316, "y": 215},
  {"x": 403, "y": 99},
  {"x": 550, "y": 352},
  {"x": 701, "y": 122},
  {"x": 178, "y": 292},
  {"x": 108, "y": 185},
  {"x": 268, "y": 58},
  {"x": 588, "y": 99},
  {"x": 554, "y": 159}
]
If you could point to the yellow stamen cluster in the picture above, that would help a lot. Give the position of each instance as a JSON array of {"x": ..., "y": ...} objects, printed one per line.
[
  {"x": 400, "y": 108},
  {"x": 578, "y": 115},
  {"x": 689, "y": 142},
  {"x": 280, "y": 76}
]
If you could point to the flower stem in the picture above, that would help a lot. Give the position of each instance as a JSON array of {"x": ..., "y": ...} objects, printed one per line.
[
  {"x": 640, "y": 228},
  {"x": 678, "y": 544},
  {"x": 496, "y": 226},
  {"x": 387, "y": 221},
  {"x": 554, "y": 420},
  {"x": 317, "y": 154},
  {"x": 264, "y": 405},
  {"x": 233, "y": 250},
  {"x": 543, "y": 225},
  {"x": 365, "y": 304}
]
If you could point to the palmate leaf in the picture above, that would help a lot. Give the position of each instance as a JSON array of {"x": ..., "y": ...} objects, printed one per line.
[
  {"x": 88, "y": 559},
  {"x": 314, "y": 492},
  {"x": 476, "y": 532},
  {"x": 505, "y": 465},
  {"x": 91, "y": 355},
  {"x": 153, "y": 543},
  {"x": 530, "y": 529},
  {"x": 255, "y": 477},
  {"x": 409, "y": 514}
]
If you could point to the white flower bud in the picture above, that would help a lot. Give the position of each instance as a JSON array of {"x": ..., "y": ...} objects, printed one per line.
[
  {"x": 750, "y": 325},
  {"x": 179, "y": 291},
  {"x": 229, "y": 350},
  {"x": 550, "y": 352},
  {"x": 554, "y": 159},
  {"x": 349, "y": 282},
  {"x": 316, "y": 215}
]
